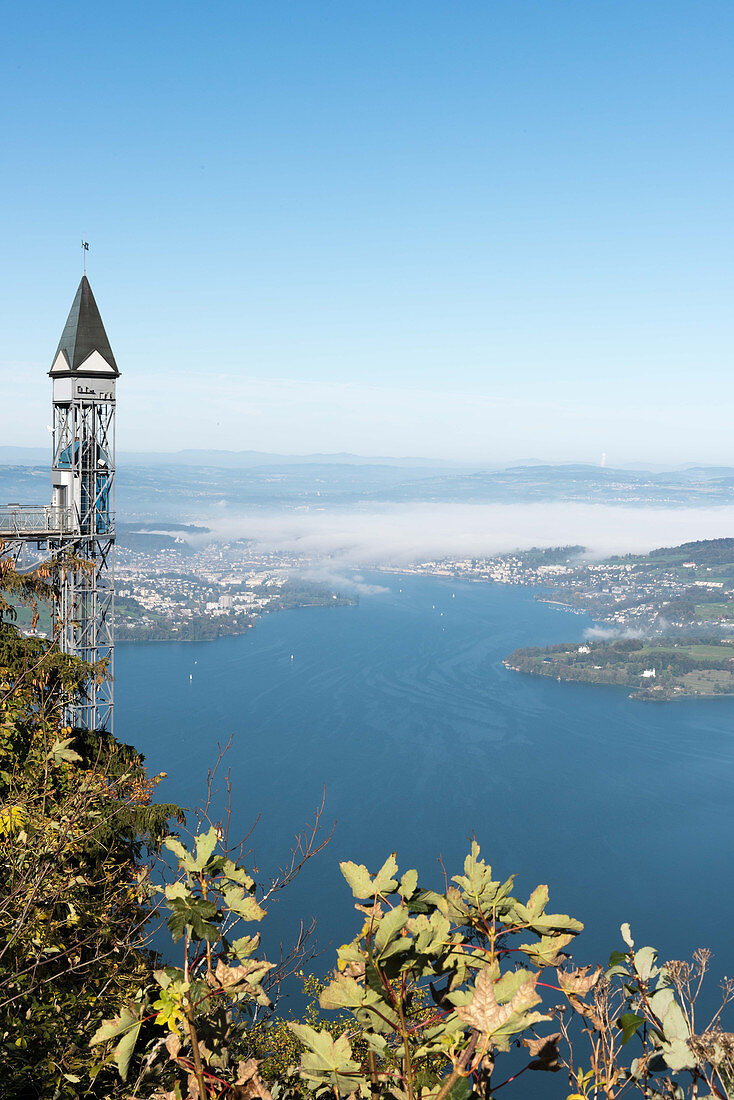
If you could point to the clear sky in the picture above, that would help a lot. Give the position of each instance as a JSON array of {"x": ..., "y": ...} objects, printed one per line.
[{"x": 474, "y": 230}]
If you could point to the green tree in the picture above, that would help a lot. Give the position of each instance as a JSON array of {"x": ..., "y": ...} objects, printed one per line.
[{"x": 77, "y": 830}]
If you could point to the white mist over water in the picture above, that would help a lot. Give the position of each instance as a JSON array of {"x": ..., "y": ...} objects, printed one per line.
[{"x": 401, "y": 534}]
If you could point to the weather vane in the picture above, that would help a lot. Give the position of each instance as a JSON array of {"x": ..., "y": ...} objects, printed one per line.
[{"x": 85, "y": 249}]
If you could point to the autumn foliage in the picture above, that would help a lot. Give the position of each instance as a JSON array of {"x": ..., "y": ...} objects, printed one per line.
[{"x": 434, "y": 994}]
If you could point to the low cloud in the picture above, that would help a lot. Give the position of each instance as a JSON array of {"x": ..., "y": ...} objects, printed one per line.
[
  {"x": 402, "y": 534},
  {"x": 611, "y": 633},
  {"x": 347, "y": 583}
]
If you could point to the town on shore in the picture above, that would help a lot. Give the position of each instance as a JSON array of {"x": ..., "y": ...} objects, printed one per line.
[{"x": 663, "y": 621}]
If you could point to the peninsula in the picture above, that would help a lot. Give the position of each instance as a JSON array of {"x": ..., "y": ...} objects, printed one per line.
[
  {"x": 657, "y": 671},
  {"x": 669, "y": 617},
  {"x": 665, "y": 619}
]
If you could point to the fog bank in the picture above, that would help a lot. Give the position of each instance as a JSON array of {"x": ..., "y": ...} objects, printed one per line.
[{"x": 401, "y": 534}]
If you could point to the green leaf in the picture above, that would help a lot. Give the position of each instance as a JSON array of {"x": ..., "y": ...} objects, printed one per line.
[
  {"x": 409, "y": 884},
  {"x": 376, "y": 1043},
  {"x": 176, "y": 847},
  {"x": 431, "y": 933},
  {"x": 547, "y": 951},
  {"x": 628, "y": 1023},
  {"x": 245, "y": 945},
  {"x": 462, "y": 1090},
  {"x": 400, "y": 946},
  {"x": 176, "y": 925},
  {"x": 107, "y": 1030},
  {"x": 342, "y": 992},
  {"x": 127, "y": 1025},
  {"x": 372, "y": 978},
  {"x": 384, "y": 882},
  {"x": 358, "y": 878},
  {"x": 645, "y": 963},
  {"x": 678, "y": 1055},
  {"x": 423, "y": 901},
  {"x": 390, "y": 926},
  {"x": 238, "y": 875},
  {"x": 195, "y": 914},
  {"x": 124, "y": 1050},
  {"x": 627, "y": 935},
  {"x": 177, "y": 890},
  {"x": 351, "y": 952},
  {"x": 320, "y": 1042},
  {"x": 242, "y": 904},
  {"x": 61, "y": 752},
  {"x": 168, "y": 975},
  {"x": 674, "y": 1023},
  {"x": 205, "y": 845},
  {"x": 537, "y": 902},
  {"x": 477, "y": 878},
  {"x": 555, "y": 922},
  {"x": 110, "y": 1029},
  {"x": 327, "y": 1061},
  {"x": 660, "y": 1002},
  {"x": 505, "y": 988}
]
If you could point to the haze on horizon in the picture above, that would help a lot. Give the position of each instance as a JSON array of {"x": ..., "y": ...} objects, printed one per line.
[{"x": 475, "y": 232}]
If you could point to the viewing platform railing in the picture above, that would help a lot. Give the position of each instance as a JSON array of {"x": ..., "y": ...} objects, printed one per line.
[{"x": 36, "y": 521}]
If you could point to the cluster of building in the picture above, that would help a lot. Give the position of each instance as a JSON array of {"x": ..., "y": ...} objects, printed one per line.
[
  {"x": 231, "y": 584},
  {"x": 223, "y": 583},
  {"x": 501, "y": 569},
  {"x": 623, "y": 593}
]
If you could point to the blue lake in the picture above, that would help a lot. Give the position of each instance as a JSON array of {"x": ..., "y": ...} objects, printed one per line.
[{"x": 402, "y": 708}]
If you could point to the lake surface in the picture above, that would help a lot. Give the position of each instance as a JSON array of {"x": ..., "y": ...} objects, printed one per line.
[{"x": 402, "y": 708}]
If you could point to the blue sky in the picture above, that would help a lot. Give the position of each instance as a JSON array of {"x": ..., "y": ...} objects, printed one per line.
[{"x": 480, "y": 231}]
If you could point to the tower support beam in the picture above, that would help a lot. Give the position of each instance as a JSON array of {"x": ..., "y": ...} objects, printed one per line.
[{"x": 78, "y": 527}]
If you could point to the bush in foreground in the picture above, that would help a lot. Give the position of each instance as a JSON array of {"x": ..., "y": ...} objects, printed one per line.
[{"x": 436, "y": 995}]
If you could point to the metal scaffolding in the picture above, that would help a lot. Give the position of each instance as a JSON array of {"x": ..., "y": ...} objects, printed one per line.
[{"x": 77, "y": 530}]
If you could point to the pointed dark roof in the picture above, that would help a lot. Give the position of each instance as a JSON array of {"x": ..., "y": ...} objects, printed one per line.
[{"x": 84, "y": 333}]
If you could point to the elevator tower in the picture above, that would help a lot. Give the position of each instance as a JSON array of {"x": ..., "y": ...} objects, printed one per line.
[{"x": 79, "y": 523}]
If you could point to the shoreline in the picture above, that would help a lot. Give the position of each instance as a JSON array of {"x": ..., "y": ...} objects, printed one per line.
[
  {"x": 232, "y": 633},
  {"x": 634, "y": 695}
]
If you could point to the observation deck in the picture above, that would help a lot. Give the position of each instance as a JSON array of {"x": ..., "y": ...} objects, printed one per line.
[{"x": 28, "y": 521}]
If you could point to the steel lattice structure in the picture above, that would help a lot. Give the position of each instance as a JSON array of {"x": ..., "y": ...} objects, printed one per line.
[{"x": 78, "y": 528}]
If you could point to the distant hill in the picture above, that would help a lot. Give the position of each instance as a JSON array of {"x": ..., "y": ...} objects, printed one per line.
[
  {"x": 245, "y": 459},
  {"x": 529, "y": 468},
  {"x": 31, "y": 456},
  {"x": 192, "y": 483},
  {"x": 702, "y": 552}
]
